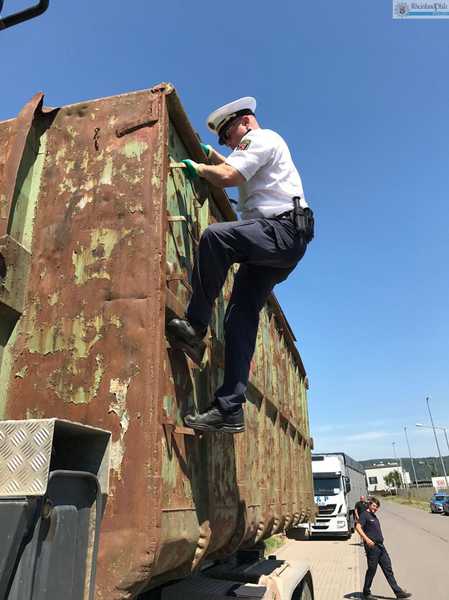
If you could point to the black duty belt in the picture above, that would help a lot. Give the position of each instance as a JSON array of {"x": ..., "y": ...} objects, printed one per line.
[
  {"x": 302, "y": 218},
  {"x": 285, "y": 215}
]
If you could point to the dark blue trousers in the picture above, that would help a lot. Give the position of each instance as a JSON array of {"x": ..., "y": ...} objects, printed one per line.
[
  {"x": 379, "y": 556},
  {"x": 267, "y": 251}
]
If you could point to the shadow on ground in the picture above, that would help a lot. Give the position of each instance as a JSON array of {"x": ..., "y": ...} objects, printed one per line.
[
  {"x": 356, "y": 544},
  {"x": 299, "y": 533},
  {"x": 359, "y": 596}
]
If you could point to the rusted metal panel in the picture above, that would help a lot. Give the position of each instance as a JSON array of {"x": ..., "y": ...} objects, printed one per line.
[{"x": 112, "y": 234}]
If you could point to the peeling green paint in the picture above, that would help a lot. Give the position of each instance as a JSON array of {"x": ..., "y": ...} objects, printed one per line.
[
  {"x": 135, "y": 176},
  {"x": 69, "y": 165},
  {"x": 89, "y": 262},
  {"x": 22, "y": 373},
  {"x": 85, "y": 200},
  {"x": 68, "y": 392},
  {"x": 53, "y": 298},
  {"x": 3, "y": 208},
  {"x": 26, "y": 196},
  {"x": 67, "y": 186},
  {"x": 73, "y": 132},
  {"x": 60, "y": 154},
  {"x": 67, "y": 334},
  {"x": 168, "y": 404},
  {"x": 34, "y": 413},
  {"x": 169, "y": 467},
  {"x": 85, "y": 161},
  {"x": 88, "y": 185},
  {"x": 155, "y": 179},
  {"x": 8, "y": 340},
  {"x": 116, "y": 321},
  {"x": 106, "y": 177},
  {"x": 119, "y": 389},
  {"x": 134, "y": 149},
  {"x": 187, "y": 488}
]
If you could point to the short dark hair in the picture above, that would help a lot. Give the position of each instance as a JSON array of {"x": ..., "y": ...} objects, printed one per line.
[{"x": 374, "y": 500}]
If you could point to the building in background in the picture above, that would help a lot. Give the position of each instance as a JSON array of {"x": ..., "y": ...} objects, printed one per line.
[{"x": 375, "y": 477}]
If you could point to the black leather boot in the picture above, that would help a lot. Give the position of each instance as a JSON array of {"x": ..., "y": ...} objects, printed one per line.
[
  {"x": 214, "y": 420},
  {"x": 403, "y": 594},
  {"x": 182, "y": 335},
  {"x": 185, "y": 331}
]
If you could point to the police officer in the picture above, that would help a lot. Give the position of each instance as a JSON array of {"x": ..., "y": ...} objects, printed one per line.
[
  {"x": 360, "y": 507},
  {"x": 268, "y": 242},
  {"x": 369, "y": 530}
]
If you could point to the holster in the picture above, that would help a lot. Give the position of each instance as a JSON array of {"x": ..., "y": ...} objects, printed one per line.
[{"x": 303, "y": 220}]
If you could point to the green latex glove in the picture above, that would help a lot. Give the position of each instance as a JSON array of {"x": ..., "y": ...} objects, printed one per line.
[
  {"x": 191, "y": 169},
  {"x": 207, "y": 149}
]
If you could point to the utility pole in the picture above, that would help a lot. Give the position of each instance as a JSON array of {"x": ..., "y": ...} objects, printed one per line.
[
  {"x": 411, "y": 457},
  {"x": 436, "y": 442},
  {"x": 396, "y": 459},
  {"x": 445, "y": 435}
]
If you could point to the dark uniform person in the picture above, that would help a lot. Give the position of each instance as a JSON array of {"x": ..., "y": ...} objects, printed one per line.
[
  {"x": 360, "y": 507},
  {"x": 369, "y": 530},
  {"x": 268, "y": 243}
]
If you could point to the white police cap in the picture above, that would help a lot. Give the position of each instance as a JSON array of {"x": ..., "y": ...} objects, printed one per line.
[{"x": 224, "y": 114}]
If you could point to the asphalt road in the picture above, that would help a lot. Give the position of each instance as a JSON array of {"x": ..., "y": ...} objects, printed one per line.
[{"x": 418, "y": 544}]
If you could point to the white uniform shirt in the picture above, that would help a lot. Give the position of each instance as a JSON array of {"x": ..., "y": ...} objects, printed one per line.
[{"x": 264, "y": 160}]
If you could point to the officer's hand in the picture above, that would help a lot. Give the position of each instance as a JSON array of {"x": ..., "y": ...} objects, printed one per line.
[
  {"x": 207, "y": 149},
  {"x": 191, "y": 168},
  {"x": 370, "y": 543}
]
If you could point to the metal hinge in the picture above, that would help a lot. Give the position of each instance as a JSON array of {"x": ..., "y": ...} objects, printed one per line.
[{"x": 150, "y": 117}]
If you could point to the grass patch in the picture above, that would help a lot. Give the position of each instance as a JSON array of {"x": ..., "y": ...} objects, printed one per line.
[
  {"x": 273, "y": 543},
  {"x": 422, "y": 504}
]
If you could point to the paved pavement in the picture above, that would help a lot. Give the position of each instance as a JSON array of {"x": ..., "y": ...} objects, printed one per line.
[
  {"x": 418, "y": 544},
  {"x": 335, "y": 565}
]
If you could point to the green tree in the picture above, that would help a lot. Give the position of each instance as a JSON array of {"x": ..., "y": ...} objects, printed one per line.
[{"x": 393, "y": 479}]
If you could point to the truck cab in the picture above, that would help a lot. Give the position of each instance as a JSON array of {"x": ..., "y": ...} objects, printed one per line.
[{"x": 338, "y": 482}]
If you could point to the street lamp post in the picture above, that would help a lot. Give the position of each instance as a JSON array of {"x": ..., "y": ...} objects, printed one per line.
[
  {"x": 444, "y": 429},
  {"x": 436, "y": 427},
  {"x": 437, "y": 444},
  {"x": 396, "y": 459},
  {"x": 411, "y": 458}
]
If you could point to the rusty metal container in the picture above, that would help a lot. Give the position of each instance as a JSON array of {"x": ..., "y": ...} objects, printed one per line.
[{"x": 97, "y": 238}]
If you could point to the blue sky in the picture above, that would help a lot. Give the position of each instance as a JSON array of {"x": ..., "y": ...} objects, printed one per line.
[{"x": 362, "y": 101}]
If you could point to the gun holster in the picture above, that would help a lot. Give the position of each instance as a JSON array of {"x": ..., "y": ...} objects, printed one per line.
[{"x": 303, "y": 220}]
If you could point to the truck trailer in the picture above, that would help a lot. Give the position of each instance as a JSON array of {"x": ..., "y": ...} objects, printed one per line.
[
  {"x": 104, "y": 493},
  {"x": 338, "y": 482}
]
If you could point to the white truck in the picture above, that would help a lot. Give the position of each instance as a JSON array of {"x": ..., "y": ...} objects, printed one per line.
[{"x": 338, "y": 482}]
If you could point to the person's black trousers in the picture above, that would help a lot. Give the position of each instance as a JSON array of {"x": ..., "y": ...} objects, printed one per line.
[
  {"x": 378, "y": 555},
  {"x": 267, "y": 250}
]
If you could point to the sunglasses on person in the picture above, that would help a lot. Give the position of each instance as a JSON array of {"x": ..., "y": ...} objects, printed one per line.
[{"x": 228, "y": 128}]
